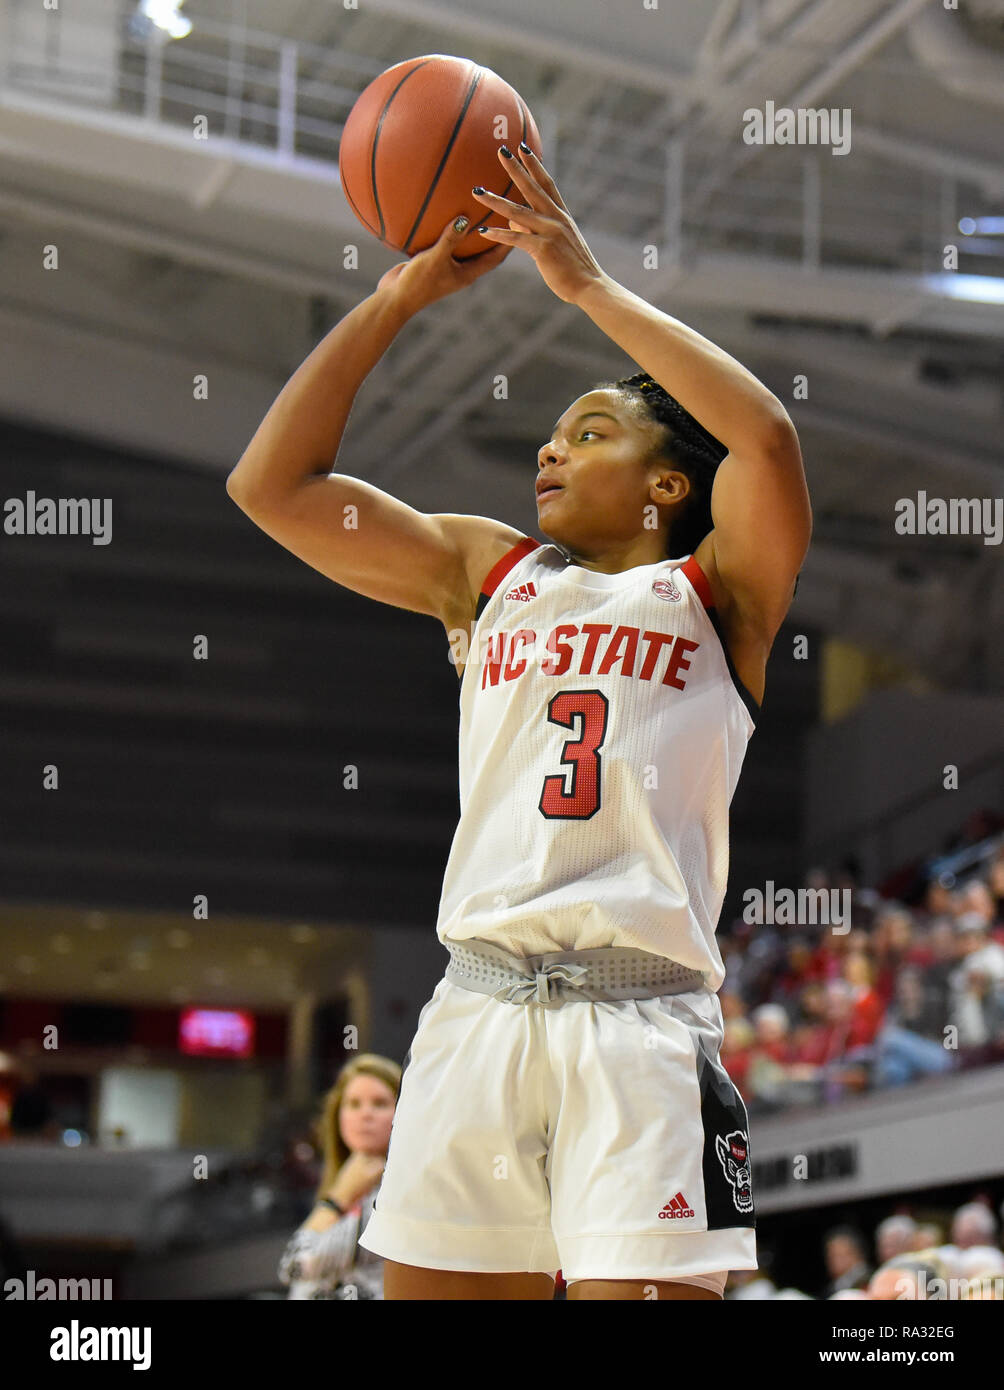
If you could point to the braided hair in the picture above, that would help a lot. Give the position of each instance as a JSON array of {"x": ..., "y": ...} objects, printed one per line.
[{"x": 689, "y": 445}]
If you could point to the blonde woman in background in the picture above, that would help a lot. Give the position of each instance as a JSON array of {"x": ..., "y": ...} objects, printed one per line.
[{"x": 323, "y": 1259}]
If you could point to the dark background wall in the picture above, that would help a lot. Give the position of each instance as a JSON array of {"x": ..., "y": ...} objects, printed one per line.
[{"x": 226, "y": 776}]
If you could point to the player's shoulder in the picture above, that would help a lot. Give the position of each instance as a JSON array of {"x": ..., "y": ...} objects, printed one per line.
[
  {"x": 482, "y": 543},
  {"x": 712, "y": 586},
  {"x": 742, "y": 620}
]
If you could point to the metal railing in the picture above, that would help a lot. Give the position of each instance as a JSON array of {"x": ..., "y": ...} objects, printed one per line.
[
  {"x": 283, "y": 94},
  {"x": 292, "y": 98}
]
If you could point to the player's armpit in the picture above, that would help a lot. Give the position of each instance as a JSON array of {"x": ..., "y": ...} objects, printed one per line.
[
  {"x": 762, "y": 526},
  {"x": 482, "y": 542}
]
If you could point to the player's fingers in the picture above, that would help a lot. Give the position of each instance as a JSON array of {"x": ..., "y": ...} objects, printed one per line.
[
  {"x": 507, "y": 207},
  {"x": 535, "y": 168},
  {"x": 504, "y": 234},
  {"x": 522, "y": 176}
]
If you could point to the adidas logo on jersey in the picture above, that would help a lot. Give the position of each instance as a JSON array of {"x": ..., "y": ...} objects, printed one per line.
[
  {"x": 523, "y": 592},
  {"x": 678, "y": 1208}
]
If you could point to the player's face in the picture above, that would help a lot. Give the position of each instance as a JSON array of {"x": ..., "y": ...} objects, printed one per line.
[
  {"x": 596, "y": 457},
  {"x": 366, "y": 1114}
]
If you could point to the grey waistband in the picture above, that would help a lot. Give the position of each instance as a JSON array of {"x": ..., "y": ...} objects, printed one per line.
[{"x": 567, "y": 976}]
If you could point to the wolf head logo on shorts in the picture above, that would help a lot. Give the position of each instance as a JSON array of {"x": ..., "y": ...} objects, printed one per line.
[{"x": 733, "y": 1155}]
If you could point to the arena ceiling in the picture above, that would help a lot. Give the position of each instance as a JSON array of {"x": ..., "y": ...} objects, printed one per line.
[{"x": 224, "y": 256}]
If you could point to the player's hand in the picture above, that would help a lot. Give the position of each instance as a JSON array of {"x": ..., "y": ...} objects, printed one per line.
[
  {"x": 544, "y": 228},
  {"x": 435, "y": 272}
]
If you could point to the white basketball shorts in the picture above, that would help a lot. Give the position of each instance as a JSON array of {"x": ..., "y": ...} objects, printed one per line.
[{"x": 604, "y": 1139}]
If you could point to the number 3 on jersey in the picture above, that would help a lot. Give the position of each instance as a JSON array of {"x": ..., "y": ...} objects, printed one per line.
[{"x": 590, "y": 707}]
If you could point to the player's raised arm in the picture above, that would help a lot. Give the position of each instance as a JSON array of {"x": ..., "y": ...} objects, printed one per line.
[
  {"x": 760, "y": 510},
  {"x": 351, "y": 531},
  {"x": 759, "y": 500}
]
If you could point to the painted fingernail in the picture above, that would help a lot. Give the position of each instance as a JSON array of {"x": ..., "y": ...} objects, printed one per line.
[
  {"x": 482, "y": 229},
  {"x": 460, "y": 224},
  {"x": 524, "y": 146},
  {"x": 479, "y": 189},
  {"x": 507, "y": 152}
]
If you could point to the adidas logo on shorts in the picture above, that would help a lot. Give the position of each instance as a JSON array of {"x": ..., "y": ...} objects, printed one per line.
[
  {"x": 523, "y": 592},
  {"x": 678, "y": 1208}
]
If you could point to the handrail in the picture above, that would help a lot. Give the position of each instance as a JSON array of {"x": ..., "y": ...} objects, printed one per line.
[
  {"x": 292, "y": 97},
  {"x": 279, "y": 86}
]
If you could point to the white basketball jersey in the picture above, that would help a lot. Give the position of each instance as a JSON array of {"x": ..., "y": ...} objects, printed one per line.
[{"x": 602, "y": 730}]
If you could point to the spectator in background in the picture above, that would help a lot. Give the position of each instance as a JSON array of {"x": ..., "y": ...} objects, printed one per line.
[
  {"x": 973, "y": 1224},
  {"x": 841, "y": 1049},
  {"x": 981, "y": 1261},
  {"x": 796, "y": 971},
  {"x": 911, "y": 1042},
  {"x": 323, "y": 1259},
  {"x": 976, "y": 897},
  {"x": 809, "y": 1030},
  {"x": 846, "y": 1260},
  {"x": 868, "y": 1007},
  {"x": 774, "y": 1076},
  {"x": 812, "y": 1005},
  {"x": 972, "y": 1247},
  {"x": 828, "y": 957},
  {"x": 758, "y": 959},
  {"x": 926, "y": 1237},
  {"x": 995, "y": 882},
  {"x": 736, "y": 1051},
  {"x": 906, "y": 1277},
  {"x": 893, "y": 947},
  {"x": 943, "y": 949},
  {"x": 938, "y": 899},
  {"x": 732, "y": 1004},
  {"x": 976, "y": 986},
  {"x": 894, "y": 1236}
]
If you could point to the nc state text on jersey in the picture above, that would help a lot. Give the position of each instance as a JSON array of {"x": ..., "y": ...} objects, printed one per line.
[{"x": 509, "y": 654}]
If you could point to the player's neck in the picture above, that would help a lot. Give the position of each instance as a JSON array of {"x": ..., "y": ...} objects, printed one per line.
[{"x": 646, "y": 550}]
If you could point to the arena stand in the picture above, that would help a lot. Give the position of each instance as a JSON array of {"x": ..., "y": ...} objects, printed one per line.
[{"x": 869, "y": 1063}]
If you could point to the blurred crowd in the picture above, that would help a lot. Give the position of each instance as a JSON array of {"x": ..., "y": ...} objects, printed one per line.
[
  {"x": 814, "y": 1014},
  {"x": 906, "y": 1259}
]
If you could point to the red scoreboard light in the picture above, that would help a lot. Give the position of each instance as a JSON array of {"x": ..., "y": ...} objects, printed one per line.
[{"x": 216, "y": 1033}]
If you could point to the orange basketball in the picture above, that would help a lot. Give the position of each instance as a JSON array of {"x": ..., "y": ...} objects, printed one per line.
[{"x": 419, "y": 138}]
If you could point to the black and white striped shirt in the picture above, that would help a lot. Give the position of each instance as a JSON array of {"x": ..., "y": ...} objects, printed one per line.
[{"x": 331, "y": 1264}]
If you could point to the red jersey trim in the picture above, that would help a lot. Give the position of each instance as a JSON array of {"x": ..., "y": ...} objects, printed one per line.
[
  {"x": 511, "y": 558},
  {"x": 699, "y": 580}
]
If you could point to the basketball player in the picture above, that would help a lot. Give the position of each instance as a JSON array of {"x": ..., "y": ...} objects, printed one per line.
[{"x": 563, "y": 1105}]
